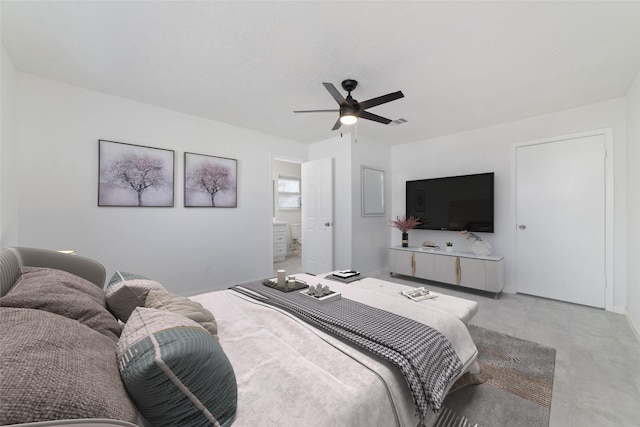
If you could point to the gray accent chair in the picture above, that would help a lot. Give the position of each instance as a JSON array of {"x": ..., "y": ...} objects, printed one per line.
[{"x": 11, "y": 259}]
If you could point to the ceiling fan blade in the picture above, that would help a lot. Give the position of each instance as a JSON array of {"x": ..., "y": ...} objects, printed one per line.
[
  {"x": 381, "y": 100},
  {"x": 334, "y": 92},
  {"x": 370, "y": 116},
  {"x": 337, "y": 125},
  {"x": 316, "y": 111}
]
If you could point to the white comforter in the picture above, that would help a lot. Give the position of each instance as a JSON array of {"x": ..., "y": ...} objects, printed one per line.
[{"x": 290, "y": 373}]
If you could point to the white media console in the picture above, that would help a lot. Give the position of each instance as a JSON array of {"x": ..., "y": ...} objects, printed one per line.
[{"x": 485, "y": 273}]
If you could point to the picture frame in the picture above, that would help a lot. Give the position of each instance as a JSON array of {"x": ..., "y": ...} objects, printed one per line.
[
  {"x": 134, "y": 175},
  {"x": 372, "y": 183},
  {"x": 210, "y": 181}
]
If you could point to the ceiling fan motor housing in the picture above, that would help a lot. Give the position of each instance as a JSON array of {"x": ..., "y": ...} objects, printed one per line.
[{"x": 349, "y": 84}]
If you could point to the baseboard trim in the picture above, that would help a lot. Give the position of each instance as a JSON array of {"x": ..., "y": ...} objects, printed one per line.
[{"x": 633, "y": 326}]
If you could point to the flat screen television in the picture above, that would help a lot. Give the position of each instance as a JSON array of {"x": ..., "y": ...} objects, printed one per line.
[{"x": 452, "y": 203}]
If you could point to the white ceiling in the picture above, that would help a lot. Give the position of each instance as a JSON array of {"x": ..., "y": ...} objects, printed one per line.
[{"x": 461, "y": 65}]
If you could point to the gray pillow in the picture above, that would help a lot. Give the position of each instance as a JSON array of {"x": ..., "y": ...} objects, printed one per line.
[
  {"x": 55, "y": 368},
  {"x": 65, "y": 294},
  {"x": 163, "y": 300},
  {"x": 126, "y": 291},
  {"x": 177, "y": 374}
]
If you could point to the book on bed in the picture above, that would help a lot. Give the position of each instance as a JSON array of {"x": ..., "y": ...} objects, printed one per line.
[
  {"x": 418, "y": 294},
  {"x": 346, "y": 274}
]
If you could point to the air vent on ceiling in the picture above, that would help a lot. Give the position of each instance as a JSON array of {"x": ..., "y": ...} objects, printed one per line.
[{"x": 398, "y": 121}]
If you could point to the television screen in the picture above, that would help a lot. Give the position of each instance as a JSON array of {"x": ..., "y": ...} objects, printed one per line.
[{"x": 453, "y": 203}]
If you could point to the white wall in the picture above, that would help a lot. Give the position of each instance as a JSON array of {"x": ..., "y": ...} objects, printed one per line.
[
  {"x": 489, "y": 150},
  {"x": 633, "y": 201},
  {"x": 189, "y": 250},
  {"x": 370, "y": 253},
  {"x": 360, "y": 243},
  {"x": 8, "y": 150}
]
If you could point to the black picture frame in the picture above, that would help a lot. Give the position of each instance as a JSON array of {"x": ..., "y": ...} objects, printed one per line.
[
  {"x": 210, "y": 181},
  {"x": 135, "y": 175}
]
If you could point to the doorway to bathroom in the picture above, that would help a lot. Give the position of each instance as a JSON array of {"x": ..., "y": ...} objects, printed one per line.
[{"x": 287, "y": 216}]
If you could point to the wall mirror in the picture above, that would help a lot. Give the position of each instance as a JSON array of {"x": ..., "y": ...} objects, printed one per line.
[{"x": 372, "y": 192}]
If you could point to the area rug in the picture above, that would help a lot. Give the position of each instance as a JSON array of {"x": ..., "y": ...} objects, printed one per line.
[{"x": 513, "y": 389}]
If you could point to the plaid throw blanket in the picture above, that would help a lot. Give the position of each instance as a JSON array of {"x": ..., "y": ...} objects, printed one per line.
[{"x": 424, "y": 355}]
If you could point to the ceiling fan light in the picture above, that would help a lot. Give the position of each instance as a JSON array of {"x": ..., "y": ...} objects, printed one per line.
[{"x": 348, "y": 119}]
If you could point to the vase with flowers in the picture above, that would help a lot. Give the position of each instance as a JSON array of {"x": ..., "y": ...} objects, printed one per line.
[{"x": 405, "y": 224}]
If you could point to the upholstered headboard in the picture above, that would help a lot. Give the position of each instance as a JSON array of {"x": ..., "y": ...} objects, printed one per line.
[{"x": 11, "y": 259}]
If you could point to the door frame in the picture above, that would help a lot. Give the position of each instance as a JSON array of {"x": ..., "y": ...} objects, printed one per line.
[
  {"x": 273, "y": 187},
  {"x": 609, "y": 201}
]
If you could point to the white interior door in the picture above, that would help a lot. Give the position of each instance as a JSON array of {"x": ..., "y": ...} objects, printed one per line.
[
  {"x": 317, "y": 216},
  {"x": 560, "y": 208}
]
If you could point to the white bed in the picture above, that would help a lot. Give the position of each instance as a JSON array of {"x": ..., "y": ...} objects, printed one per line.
[{"x": 290, "y": 373}]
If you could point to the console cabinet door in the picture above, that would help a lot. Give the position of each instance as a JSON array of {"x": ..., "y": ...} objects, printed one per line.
[
  {"x": 472, "y": 273},
  {"x": 494, "y": 276},
  {"x": 424, "y": 265},
  {"x": 460, "y": 271},
  {"x": 401, "y": 262},
  {"x": 445, "y": 270},
  {"x": 410, "y": 263}
]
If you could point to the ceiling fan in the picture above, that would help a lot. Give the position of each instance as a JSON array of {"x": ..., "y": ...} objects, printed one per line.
[{"x": 350, "y": 109}]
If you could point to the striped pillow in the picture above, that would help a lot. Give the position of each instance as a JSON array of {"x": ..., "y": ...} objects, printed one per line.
[
  {"x": 175, "y": 371},
  {"x": 163, "y": 300},
  {"x": 126, "y": 291}
]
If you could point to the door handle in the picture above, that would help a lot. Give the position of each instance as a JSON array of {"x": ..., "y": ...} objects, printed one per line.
[
  {"x": 522, "y": 226},
  {"x": 327, "y": 224}
]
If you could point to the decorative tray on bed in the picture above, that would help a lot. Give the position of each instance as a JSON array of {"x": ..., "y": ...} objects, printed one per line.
[
  {"x": 323, "y": 294},
  {"x": 273, "y": 283}
]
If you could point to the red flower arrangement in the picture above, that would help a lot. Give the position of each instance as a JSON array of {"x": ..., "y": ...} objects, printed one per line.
[{"x": 405, "y": 224}]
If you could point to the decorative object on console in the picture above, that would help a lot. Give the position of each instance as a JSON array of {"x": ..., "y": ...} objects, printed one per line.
[
  {"x": 133, "y": 175},
  {"x": 405, "y": 224},
  {"x": 210, "y": 181},
  {"x": 476, "y": 244},
  {"x": 449, "y": 247}
]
